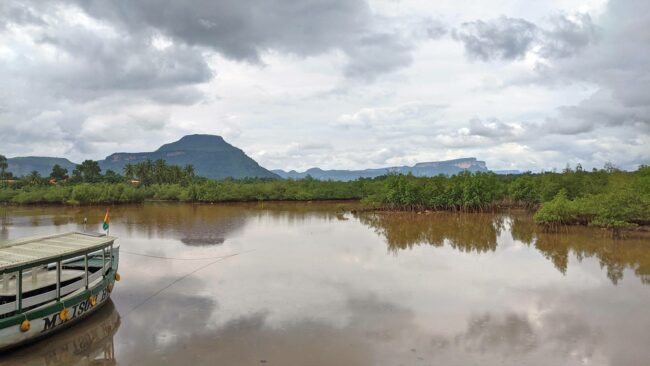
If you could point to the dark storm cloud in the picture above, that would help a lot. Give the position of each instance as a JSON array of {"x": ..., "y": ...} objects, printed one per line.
[
  {"x": 64, "y": 70},
  {"x": 376, "y": 54},
  {"x": 11, "y": 12},
  {"x": 602, "y": 110},
  {"x": 563, "y": 126},
  {"x": 492, "y": 127},
  {"x": 567, "y": 36},
  {"x": 617, "y": 64},
  {"x": 72, "y": 60},
  {"x": 507, "y": 38},
  {"x": 503, "y": 38},
  {"x": 433, "y": 28},
  {"x": 122, "y": 56},
  {"x": 244, "y": 30},
  {"x": 96, "y": 64},
  {"x": 613, "y": 129}
]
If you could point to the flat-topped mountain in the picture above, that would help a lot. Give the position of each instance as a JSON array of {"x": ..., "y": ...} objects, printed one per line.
[
  {"x": 211, "y": 156},
  {"x": 23, "y": 165},
  {"x": 214, "y": 158},
  {"x": 427, "y": 169},
  {"x": 200, "y": 143}
]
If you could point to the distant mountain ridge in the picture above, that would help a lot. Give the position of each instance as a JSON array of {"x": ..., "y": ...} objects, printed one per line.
[
  {"x": 425, "y": 169},
  {"x": 214, "y": 158},
  {"x": 23, "y": 165},
  {"x": 211, "y": 156}
]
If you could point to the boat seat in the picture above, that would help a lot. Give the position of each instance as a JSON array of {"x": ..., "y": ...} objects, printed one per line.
[{"x": 43, "y": 279}]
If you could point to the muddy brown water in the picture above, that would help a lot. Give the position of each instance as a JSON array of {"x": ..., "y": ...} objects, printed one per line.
[{"x": 321, "y": 284}]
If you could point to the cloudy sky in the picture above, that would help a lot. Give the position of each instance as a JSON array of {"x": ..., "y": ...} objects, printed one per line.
[{"x": 331, "y": 83}]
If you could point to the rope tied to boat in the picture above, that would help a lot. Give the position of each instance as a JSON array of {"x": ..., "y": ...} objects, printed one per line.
[
  {"x": 176, "y": 258},
  {"x": 215, "y": 260}
]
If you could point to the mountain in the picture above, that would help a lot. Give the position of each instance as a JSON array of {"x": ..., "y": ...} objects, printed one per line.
[
  {"x": 211, "y": 156},
  {"x": 427, "y": 169},
  {"x": 214, "y": 158},
  {"x": 24, "y": 165}
]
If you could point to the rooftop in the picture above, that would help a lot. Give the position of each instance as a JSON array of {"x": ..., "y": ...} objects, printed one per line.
[{"x": 38, "y": 249}]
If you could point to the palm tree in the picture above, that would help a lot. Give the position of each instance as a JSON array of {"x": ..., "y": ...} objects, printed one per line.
[
  {"x": 189, "y": 171},
  {"x": 160, "y": 170},
  {"x": 34, "y": 178},
  {"x": 3, "y": 166},
  {"x": 129, "y": 171},
  {"x": 175, "y": 174},
  {"x": 144, "y": 172}
]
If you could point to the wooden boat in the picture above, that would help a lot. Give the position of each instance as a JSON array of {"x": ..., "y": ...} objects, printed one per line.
[{"x": 48, "y": 283}]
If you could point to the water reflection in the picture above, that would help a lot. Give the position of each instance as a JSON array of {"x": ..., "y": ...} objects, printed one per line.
[
  {"x": 466, "y": 233},
  {"x": 377, "y": 332},
  {"x": 613, "y": 255},
  {"x": 192, "y": 224},
  {"x": 515, "y": 334},
  {"x": 245, "y": 340},
  {"x": 480, "y": 233},
  {"x": 87, "y": 343},
  {"x": 313, "y": 285}
]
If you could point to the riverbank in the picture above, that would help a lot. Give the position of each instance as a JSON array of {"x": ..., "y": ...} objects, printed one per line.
[{"x": 612, "y": 199}]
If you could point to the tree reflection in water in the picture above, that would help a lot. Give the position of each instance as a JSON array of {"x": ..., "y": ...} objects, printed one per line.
[
  {"x": 463, "y": 232},
  {"x": 480, "y": 233},
  {"x": 614, "y": 255},
  {"x": 192, "y": 224}
]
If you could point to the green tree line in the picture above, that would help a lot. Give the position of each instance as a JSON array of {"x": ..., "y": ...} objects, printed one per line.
[{"x": 605, "y": 197}]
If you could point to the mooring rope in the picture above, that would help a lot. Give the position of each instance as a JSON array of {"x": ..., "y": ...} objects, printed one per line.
[
  {"x": 217, "y": 259},
  {"x": 173, "y": 258}
]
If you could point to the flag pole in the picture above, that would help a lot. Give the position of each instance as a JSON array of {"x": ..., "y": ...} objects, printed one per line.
[{"x": 107, "y": 220}]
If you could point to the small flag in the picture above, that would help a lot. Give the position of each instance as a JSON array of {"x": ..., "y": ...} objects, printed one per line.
[{"x": 107, "y": 219}]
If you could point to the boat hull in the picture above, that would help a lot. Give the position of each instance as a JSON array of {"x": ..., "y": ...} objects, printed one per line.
[
  {"x": 89, "y": 342},
  {"x": 47, "y": 320}
]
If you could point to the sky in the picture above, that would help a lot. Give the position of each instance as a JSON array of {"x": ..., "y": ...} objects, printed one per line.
[{"x": 338, "y": 84}]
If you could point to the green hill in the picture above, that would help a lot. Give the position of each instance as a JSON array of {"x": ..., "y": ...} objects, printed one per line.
[{"x": 211, "y": 156}]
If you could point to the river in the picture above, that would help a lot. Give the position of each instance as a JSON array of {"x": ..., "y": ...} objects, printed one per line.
[{"x": 324, "y": 284}]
